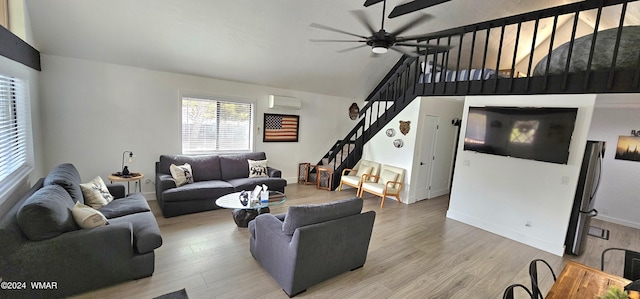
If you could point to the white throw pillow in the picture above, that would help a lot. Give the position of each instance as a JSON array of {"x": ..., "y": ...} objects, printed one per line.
[
  {"x": 87, "y": 217},
  {"x": 257, "y": 169},
  {"x": 95, "y": 193},
  {"x": 181, "y": 174},
  {"x": 363, "y": 170}
]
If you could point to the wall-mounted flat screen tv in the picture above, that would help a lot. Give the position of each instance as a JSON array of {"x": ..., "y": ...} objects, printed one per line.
[{"x": 542, "y": 134}]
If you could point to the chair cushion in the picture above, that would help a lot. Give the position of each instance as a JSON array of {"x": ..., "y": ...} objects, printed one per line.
[
  {"x": 364, "y": 170},
  {"x": 388, "y": 176},
  {"x": 198, "y": 191},
  {"x": 67, "y": 176},
  {"x": 298, "y": 216},
  {"x": 351, "y": 180},
  {"x": 378, "y": 188},
  {"x": 132, "y": 204},
  {"x": 375, "y": 168},
  {"x": 47, "y": 213}
]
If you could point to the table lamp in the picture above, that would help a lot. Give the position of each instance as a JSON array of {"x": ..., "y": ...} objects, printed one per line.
[{"x": 125, "y": 169}]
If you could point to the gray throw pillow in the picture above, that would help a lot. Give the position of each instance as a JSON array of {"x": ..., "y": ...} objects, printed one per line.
[
  {"x": 67, "y": 176},
  {"x": 47, "y": 214}
]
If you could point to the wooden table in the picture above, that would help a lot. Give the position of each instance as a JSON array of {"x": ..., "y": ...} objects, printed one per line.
[
  {"x": 580, "y": 281},
  {"x": 128, "y": 179}
]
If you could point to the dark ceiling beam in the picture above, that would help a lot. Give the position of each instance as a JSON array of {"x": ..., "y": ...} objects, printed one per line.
[
  {"x": 371, "y": 2},
  {"x": 412, "y": 6},
  {"x": 14, "y": 48}
]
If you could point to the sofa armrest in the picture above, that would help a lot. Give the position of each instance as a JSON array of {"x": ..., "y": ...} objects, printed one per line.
[
  {"x": 269, "y": 234},
  {"x": 117, "y": 190},
  {"x": 164, "y": 182},
  {"x": 274, "y": 173},
  {"x": 106, "y": 247}
]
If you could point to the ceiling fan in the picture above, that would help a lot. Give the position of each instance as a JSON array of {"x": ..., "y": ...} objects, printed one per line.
[{"x": 381, "y": 41}]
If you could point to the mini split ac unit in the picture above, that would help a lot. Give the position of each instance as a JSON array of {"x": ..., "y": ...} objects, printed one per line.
[{"x": 280, "y": 102}]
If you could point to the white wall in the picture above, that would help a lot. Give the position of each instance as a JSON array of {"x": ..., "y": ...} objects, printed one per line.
[
  {"x": 501, "y": 194},
  {"x": 617, "y": 197},
  {"x": 93, "y": 111},
  {"x": 446, "y": 109},
  {"x": 381, "y": 149}
]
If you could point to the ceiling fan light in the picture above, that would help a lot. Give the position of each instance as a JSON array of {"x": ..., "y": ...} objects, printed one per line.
[{"x": 379, "y": 50}]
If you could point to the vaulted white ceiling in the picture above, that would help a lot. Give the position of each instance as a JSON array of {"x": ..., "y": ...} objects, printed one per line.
[{"x": 259, "y": 42}]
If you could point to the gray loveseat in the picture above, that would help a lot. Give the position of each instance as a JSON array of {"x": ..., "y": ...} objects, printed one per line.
[
  {"x": 311, "y": 243},
  {"x": 213, "y": 176},
  {"x": 40, "y": 241}
]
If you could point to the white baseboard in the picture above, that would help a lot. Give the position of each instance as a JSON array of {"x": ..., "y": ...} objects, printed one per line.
[
  {"x": 434, "y": 194},
  {"x": 618, "y": 221},
  {"x": 508, "y": 233}
]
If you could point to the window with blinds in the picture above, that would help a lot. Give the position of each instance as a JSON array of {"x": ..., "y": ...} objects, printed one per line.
[
  {"x": 216, "y": 125},
  {"x": 14, "y": 123}
]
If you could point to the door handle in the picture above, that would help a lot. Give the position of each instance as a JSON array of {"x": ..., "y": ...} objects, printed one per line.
[{"x": 591, "y": 213}]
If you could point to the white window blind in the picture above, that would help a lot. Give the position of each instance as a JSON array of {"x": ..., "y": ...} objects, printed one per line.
[
  {"x": 215, "y": 125},
  {"x": 13, "y": 128}
]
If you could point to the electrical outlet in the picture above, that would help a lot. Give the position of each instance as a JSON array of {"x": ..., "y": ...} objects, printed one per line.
[
  {"x": 466, "y": 163},
  {"x": 565, "y": 180}
]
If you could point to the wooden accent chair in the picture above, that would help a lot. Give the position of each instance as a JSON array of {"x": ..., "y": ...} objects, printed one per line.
[
  {"x": 353, "y": 176},
  {"x": 388, "y": 183}
]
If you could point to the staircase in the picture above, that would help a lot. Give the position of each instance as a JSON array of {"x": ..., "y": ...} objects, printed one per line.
[
  {"x": 383, "y": 104},
  {"x": 407, "y": 79}
]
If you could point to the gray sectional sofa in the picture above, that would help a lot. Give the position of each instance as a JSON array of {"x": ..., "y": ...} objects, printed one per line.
[
  {"x": 213, "y": 176},
  {"x": 46, "y": 245}
]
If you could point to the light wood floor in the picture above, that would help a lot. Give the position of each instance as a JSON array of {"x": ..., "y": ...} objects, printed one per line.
[{"x": 415, "y": 252}]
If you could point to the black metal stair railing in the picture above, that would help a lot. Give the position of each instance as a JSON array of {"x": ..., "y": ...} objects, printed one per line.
[
  {"x": 382, "y": 106},
  {"x": 448, "y": 73}
]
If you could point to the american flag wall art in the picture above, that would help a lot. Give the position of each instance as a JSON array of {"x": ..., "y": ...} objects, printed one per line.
[{"x": 280, "y": 128}]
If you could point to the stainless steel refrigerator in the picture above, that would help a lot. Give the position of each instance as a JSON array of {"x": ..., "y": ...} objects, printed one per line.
[{"x": 584, "y": 201}]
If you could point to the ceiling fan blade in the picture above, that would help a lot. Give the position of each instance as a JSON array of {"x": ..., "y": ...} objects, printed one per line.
[
  {"x": 371, "y": 2},
  {"x": 403, "y": 52},
  {"x": 364, "y": 20},
  {"x": 437, "y": 47},
  {"x": 417, "y": 21},
  {"x": 413, "y": 6},
  {"x": 351, "y": 49},
  {"x": 336, "y": 41},
  {"x": 324, "y": 27}
]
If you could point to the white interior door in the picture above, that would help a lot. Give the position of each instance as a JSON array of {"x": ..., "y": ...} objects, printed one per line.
[{"x": 429, "y": 130}]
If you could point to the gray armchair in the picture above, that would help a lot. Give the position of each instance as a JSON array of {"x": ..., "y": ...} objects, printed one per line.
[{"x": 311, "y": 243}]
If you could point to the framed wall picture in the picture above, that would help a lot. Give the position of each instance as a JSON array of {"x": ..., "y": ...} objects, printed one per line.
[
  {"x": 628, "y": 148},
  {"x": 280, "y": 128}
]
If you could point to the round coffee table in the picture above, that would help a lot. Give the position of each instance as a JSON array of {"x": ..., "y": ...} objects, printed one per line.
[{"x": 243, "y": 214}]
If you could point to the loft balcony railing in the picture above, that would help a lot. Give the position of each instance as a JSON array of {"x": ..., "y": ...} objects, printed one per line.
[{"x": 583, "y": 47}]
